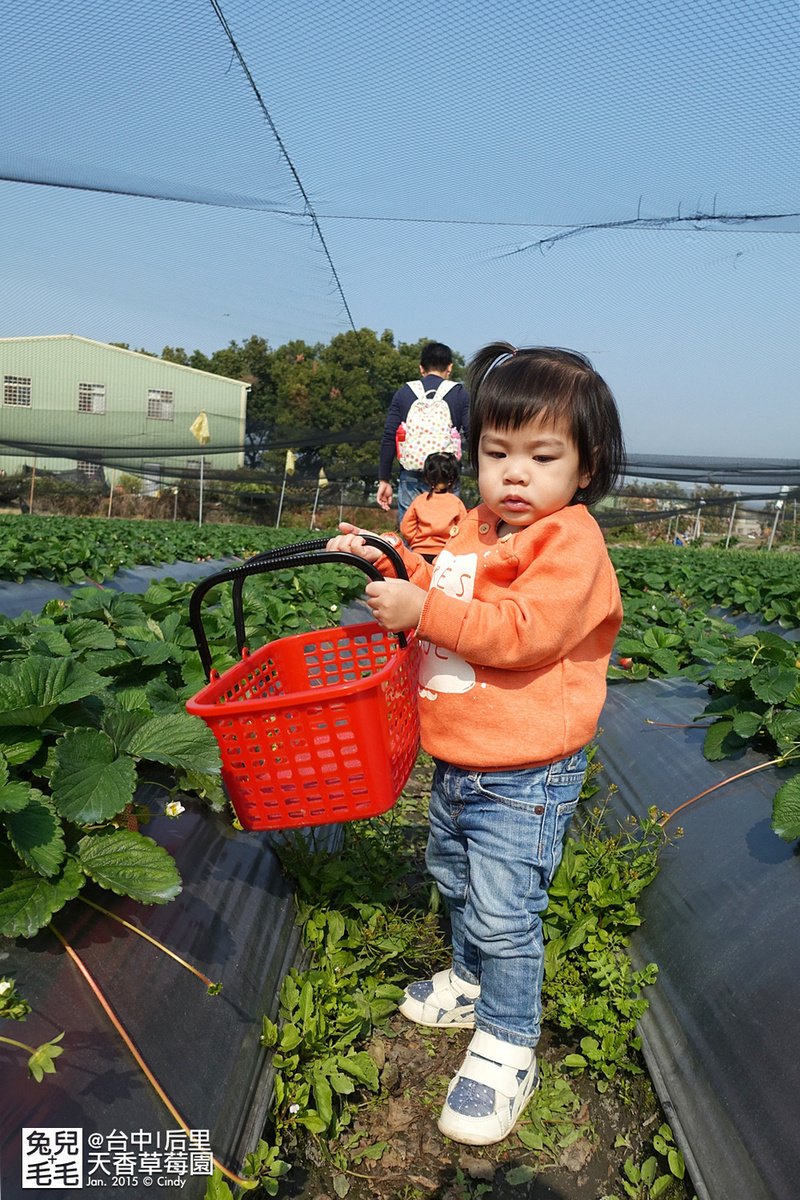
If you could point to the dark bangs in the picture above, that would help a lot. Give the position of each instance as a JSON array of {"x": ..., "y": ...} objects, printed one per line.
[{"x": 509, "y": 389}]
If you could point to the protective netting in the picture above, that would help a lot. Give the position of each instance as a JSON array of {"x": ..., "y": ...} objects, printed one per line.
[{"x": 616, "y": 176}]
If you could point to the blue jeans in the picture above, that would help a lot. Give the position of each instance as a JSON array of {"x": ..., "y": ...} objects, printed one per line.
[
  {"x": 495, "y": 842},
  {"x": 411, "y": 485}
]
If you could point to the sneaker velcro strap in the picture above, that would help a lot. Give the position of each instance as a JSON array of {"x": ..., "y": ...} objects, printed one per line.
[
  {"x": 443, "y": 990},
  {"x": 493, "y": 1075},
  {"x": 488, "y": 1046},
  {"x": 447, "y": 988}
]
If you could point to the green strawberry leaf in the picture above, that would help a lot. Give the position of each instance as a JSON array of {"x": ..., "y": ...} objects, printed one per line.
[
  {"x": 151, "y": 653},
  {"x": 747, "y": 724},
  {"x": 786, "y": 810},
  {"x": 785, "y": 728},
  {"x": 774, "y": 683},
  {"x": 18, "y": 744},
  {"x": 129, "y": 864},
  {"x": 121, "y": 724},
  {"x": 28, "y": 901},
  {"x": 90, "y": 783},
  {"x": 83, "y": 634},
  {"x": 32, "y": 689},
  {"x": 206, "y": 785},
  {"x": 721, "y": 741},
  {"x": 36, "y": 833},
  {"x": 726, "y": 672},
  {"x": 163, "y": 698},
  {"x": 179, "y": 740},
  {"x": 14, "y": 794}
]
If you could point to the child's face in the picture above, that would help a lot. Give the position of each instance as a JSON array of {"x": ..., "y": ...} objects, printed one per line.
[{"x": 528, "y": 473}]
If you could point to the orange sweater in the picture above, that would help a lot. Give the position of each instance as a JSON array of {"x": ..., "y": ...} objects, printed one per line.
[
  {"x": 516, "y": 636},
  {"x": 429, "y": 519}
]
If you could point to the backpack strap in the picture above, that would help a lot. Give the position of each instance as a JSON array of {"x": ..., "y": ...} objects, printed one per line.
[
  {"x": 420, "y": 394},
  {"x": 444, "y": 387}
]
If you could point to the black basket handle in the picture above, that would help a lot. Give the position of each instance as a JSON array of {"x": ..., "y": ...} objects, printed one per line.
[
  {"x": 276, "y": 560},
  {"x": 279, "y": 555}
]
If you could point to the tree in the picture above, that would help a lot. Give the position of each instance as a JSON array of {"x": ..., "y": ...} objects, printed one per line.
[{"x": 303, "y": 396}]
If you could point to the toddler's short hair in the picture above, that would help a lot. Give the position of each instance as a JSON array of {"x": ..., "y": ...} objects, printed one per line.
[
  {"x": 441, "y": 468},
  {"x": 509, "y": 387}
]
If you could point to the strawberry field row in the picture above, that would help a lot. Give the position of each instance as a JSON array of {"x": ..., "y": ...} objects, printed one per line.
[
  {"x": 766, "y": 584},
  {"x": 73, "y": 549},
  {"x": 753, "y": 681}
]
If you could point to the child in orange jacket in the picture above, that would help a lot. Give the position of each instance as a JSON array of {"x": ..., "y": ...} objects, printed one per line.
[
  {"x": 516, "y": 622},
  {"x": 430, "y": 519}
]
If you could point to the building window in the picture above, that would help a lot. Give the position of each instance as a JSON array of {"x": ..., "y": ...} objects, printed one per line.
[
  {"x": 17, "y": 390},
  {"x": 151, "y": 479},
  {"x": 92, "y": 397},
  {"x": 90, "y": 469},
  {"x": 159, "y": 405}
]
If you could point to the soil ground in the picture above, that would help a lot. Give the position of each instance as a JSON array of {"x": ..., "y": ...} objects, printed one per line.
[{"x": 418, "y": 1163}]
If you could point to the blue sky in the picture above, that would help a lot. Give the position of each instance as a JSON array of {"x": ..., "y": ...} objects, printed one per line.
[{"x": 437, "y": 143}]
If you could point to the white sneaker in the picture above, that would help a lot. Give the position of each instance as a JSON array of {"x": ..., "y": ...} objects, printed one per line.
[
  {"x": 442, "y": 1002},
  {"x": 490, "y": 1091}
]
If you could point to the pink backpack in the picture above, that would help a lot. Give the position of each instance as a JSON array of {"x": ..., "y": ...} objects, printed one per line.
[{"x": 428, "y": 428}]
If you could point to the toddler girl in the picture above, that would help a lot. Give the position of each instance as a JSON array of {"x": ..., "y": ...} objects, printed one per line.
[
  {"x": 516, "y": 622},
  {"x": 430, "y": 517}
]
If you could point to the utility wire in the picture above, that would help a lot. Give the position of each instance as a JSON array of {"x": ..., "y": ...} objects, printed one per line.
[{"x": 308, "y": 205}]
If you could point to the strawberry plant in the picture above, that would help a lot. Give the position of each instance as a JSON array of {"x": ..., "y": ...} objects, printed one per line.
[
  {"x": 92, "y": 698},
  {"x": 753, "y": 680},
  {"x": 15, "y": 1008},
  {"x": 590, "y": 983},
  {"x": 71, "y": 550},
  {"x": 760, "y": 583}
]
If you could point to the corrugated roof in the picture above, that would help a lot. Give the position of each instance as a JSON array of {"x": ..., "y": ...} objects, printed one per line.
[{"x": 75, "y": 337}]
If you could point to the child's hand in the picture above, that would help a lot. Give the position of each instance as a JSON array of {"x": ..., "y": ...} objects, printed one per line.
[
  {"x": 396, "y": 604},
  {"x": 351, "y": 542}
]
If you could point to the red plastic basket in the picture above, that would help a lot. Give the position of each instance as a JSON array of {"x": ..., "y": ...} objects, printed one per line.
[{"x": 316, "y": 728}]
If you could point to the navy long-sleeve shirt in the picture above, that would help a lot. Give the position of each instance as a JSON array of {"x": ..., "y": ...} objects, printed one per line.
[{"x": 457, "y": 401}]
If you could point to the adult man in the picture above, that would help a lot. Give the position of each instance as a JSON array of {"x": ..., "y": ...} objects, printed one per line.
[{"x": 435, "y": 366}]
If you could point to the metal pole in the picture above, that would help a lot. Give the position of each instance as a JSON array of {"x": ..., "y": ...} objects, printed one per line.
[
  {"x": 280, "y": 505},
  {"x": 730, "y": 523},
  {"x": 175, "y": 504},
  {"x": 200, "y": 513},
  {"x": 669, "y": 529},
  {"x": 314, "y": 510},
  {"x": 111, "y": 493},
  {"x": 778, "y": 507},
  {"x": 33, "y": 478},
  {"x": 341, "y": 505}
]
